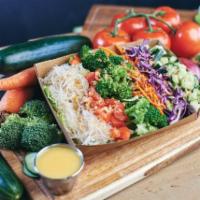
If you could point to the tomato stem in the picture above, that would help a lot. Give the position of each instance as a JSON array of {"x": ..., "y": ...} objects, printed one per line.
[
  {"x": 131, "y": 13},
  {"x": 164, "y": 22},
  {"x": 149, "y": 23}
]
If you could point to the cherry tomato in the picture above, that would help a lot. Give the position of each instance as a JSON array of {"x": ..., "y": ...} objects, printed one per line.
[
  {"x": 157, "y": 34},
  {"x": 125, "y": 133},
  {"x": 186, "y": 41},
  {"x": 105, "y": 38},
  {"x": 170, "y": 16}
]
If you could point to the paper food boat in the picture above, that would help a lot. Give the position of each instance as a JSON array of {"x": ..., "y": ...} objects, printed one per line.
[{"x": 44, "y": 67}]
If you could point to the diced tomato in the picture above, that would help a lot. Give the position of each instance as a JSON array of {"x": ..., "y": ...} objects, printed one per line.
[
  {"x": 109, "y": 102},
  {"x": 116, "y": 123},
  {"x": 95, "y": 96},
  {"x": 125, "y": 133},
  {"x": 90, "y": 77},
  {"x": 119, "y": 114},
  {"x": 74, "y": 60},
  {"x": 115, "y": 133},
  {"x": 103, "y": 114}
]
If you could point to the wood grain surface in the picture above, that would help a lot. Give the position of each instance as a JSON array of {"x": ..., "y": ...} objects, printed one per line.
[{"x": 109, "y": 172}]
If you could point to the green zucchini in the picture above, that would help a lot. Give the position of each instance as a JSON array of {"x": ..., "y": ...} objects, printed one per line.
[
  {"x": 20, "y": 56},
  {"x": 10, "y": 186}
]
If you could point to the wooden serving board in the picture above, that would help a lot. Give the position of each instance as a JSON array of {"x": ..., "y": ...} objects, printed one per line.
[{"x": 109, "y": 172}]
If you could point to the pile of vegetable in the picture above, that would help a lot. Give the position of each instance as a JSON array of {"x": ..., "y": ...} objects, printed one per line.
[
  {"x": 31, "y": 129},
  {"x": 142, "y": 88},
  {"x": 163, "y": 24}
]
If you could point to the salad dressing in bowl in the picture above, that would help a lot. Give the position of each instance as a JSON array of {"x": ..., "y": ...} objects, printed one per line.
[
  {"x": 59, "y": 165},
  {"x": 58, "y": 162}
]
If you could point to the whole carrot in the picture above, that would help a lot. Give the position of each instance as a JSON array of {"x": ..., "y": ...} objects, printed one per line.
[
  {"x": 22, "y": 79},
  {"x": 13, "y": 100}
]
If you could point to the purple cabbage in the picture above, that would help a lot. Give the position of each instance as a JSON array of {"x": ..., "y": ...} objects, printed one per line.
[{"x": 159, "y": 81}]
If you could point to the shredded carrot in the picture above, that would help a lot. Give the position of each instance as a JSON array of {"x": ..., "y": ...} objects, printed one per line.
[
  {"x": 141, "y": 85},
  {"x": 120, "y": 49},
  {"x": 143, "y": 88},
  {"x": 108, "y": 51}
]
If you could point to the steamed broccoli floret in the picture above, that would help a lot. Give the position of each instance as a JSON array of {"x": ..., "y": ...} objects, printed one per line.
[
  {"x": 114, "y": 83},
  {"x": 10, "y": 132},
  {"x": 137, "y": 111},
  {"x": 144, "y": 128},
  {"x": 155, "y": 118},
  {"x": 38, "y": 134},
  {"x": 93, "y": 60},
  {"x": 37, "y": 108},
  {"x": 107, "y": 87}
]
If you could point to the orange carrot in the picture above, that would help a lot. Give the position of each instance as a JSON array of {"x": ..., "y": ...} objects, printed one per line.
[
  {"x": 13, "y": 100},
  {"x": 22, "y": 79}
]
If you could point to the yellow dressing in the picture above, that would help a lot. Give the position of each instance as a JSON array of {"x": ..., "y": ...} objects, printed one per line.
[{"x": 58, "y": 162}]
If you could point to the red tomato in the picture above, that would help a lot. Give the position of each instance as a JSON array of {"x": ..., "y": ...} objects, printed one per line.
[
  {"x": 157, "y": 34},
  {"x": 92, "y": 76},
  {"x": 103, "y": 115},
  {"x": 125, "y": 133},
  {"x": 105, "y": 38},
  {"x": 170, "y": 16},
  {"x": 115, "y": 122},
  {"x": 186, "y": 41},
  {"x": 117, "y": 16},
  {"x": 133, "y": 25},
  {"x": 115, "y": 133},
  {"x": 111, "y": 101}
]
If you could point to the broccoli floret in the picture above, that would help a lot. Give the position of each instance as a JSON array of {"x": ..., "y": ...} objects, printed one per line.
[
  {"x": 107, "y": 87},
  {"x": 38, "y": 134},
  {"x": 116, "y": 72},
  {"x": 84, "y": 52},
  {"x": 155, "y": 118},
  {"x": 37, "y": 108},
  {"x": 10, "y": 132},
  {"x": 93, "y": 60},
  {"x": 116, "y": 60},
  {"x": 137, "y": 111},
  {"x": 144, "y": 128}
]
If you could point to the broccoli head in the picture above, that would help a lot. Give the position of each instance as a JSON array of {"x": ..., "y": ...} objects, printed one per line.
[
  {"x": 38, "y": 134},
  {"x": 109, "y": 88},
  {"x": 93, "y": 60},
  {"x": 37, "y": 108},
  {"x": 155, "y": 118},
  {"x": 144, "y": 128},
  {"x": 137, "y": 110},
  {"x": 116, "y": 60},
  {"x": 10, "y": 132}
]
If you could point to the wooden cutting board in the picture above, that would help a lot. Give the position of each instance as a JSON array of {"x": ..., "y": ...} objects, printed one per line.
[{"x": 109, "y": 172}]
